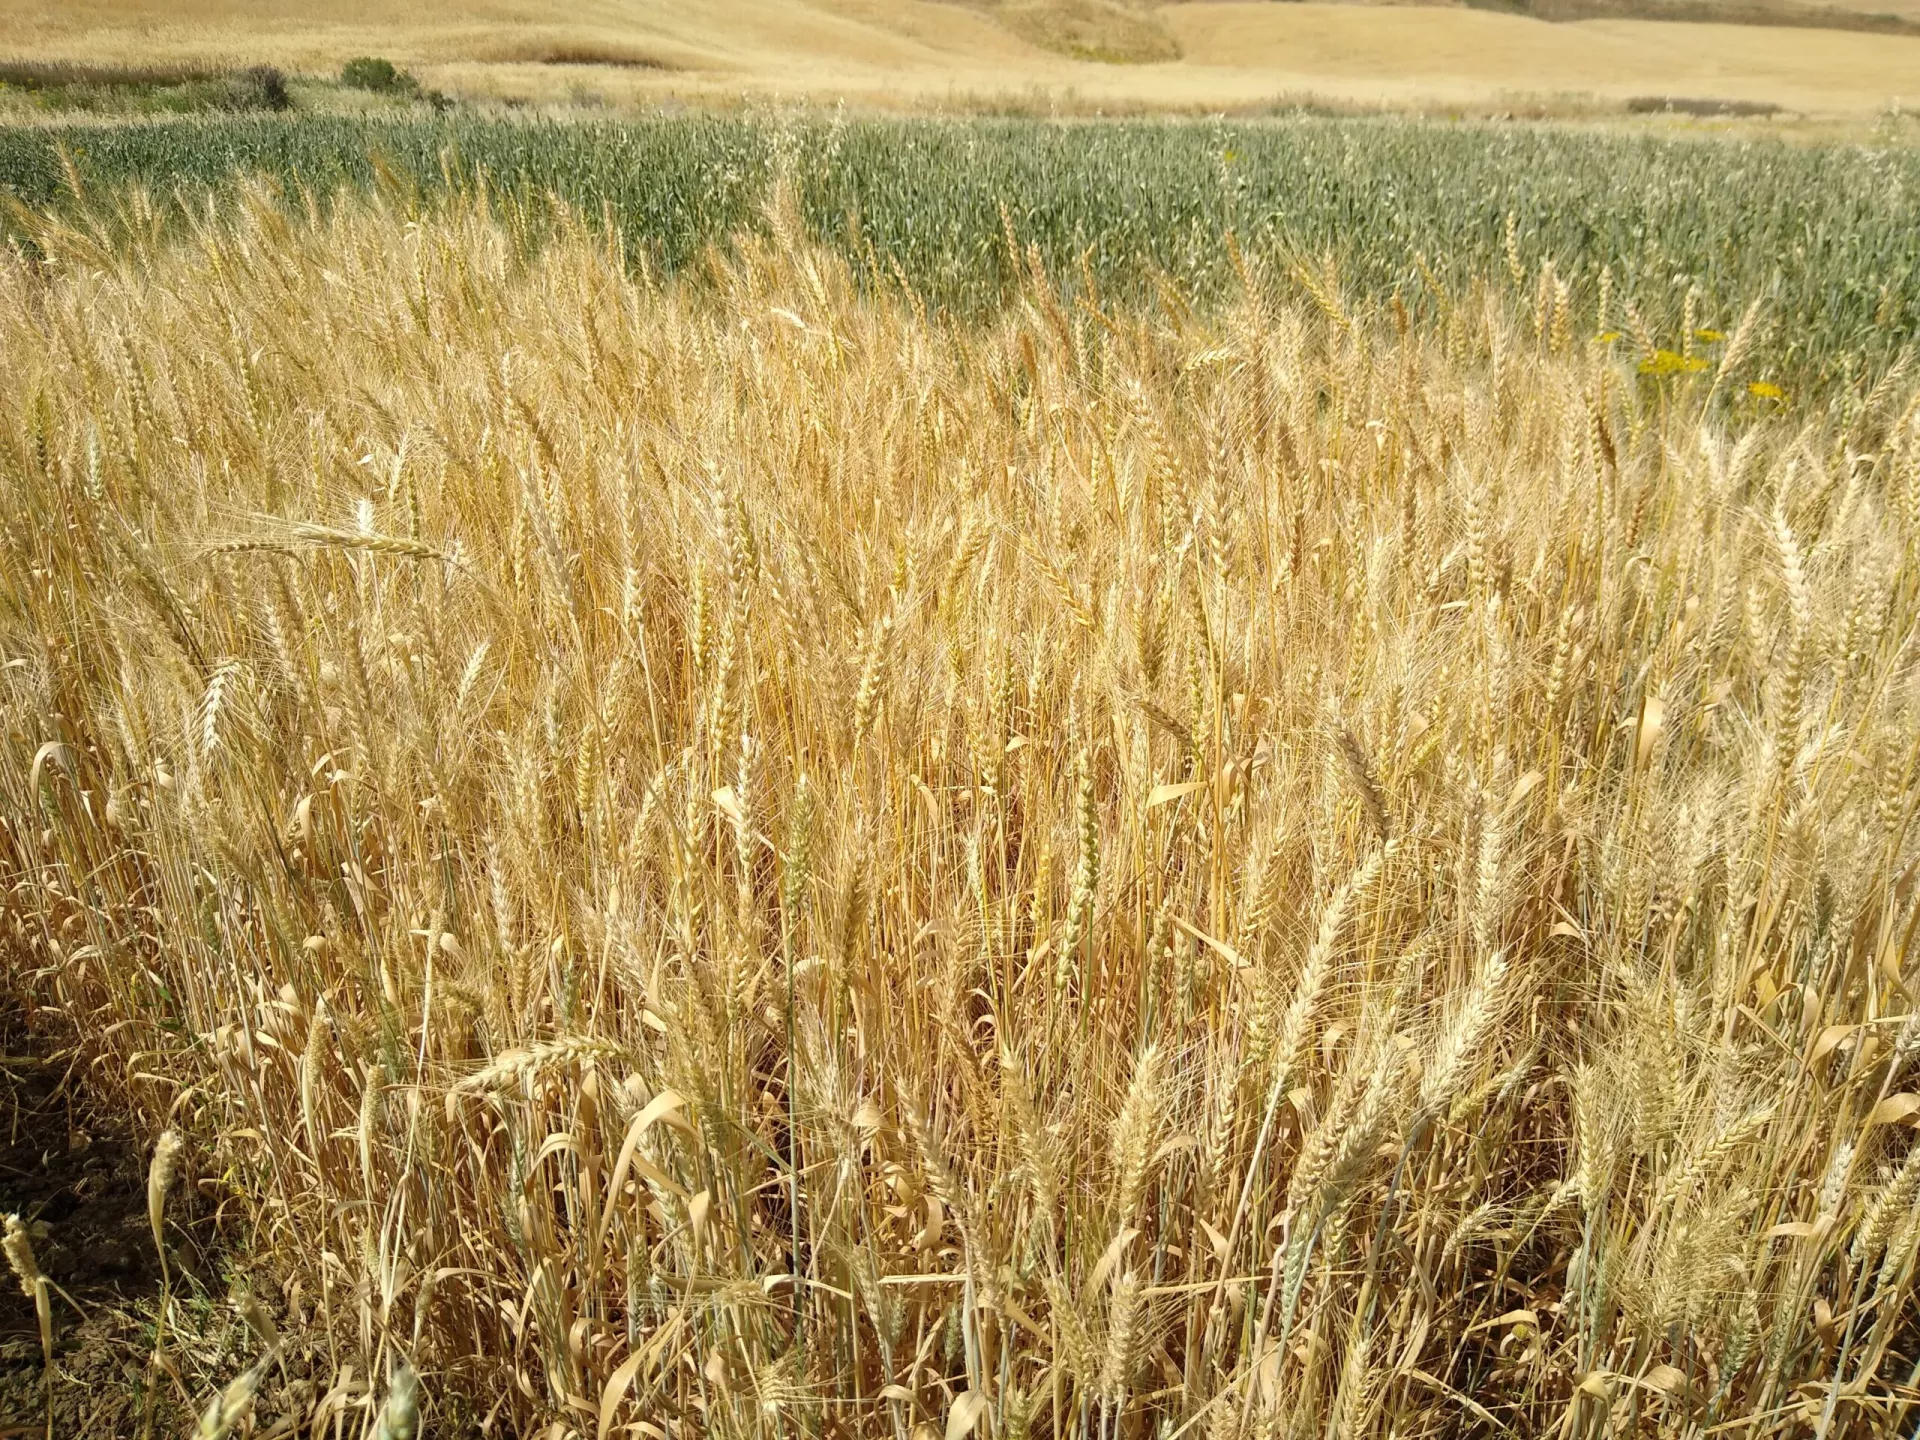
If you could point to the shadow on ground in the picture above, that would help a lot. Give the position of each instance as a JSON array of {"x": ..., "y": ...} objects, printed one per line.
[{"x": 75, "y": 1173}]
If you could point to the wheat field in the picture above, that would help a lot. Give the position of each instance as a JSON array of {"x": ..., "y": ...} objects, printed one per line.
[
  {"x": 1828, "y": 235},
  {"x": 728, "y": 856}
]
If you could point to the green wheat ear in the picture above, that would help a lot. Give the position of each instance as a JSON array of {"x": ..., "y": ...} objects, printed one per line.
[
  {"x": 400, "y": 1416},
  {"x": 226, "y": 1410}
]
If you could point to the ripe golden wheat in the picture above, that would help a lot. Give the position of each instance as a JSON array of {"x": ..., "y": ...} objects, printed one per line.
[{"x": 736, "y": 858}]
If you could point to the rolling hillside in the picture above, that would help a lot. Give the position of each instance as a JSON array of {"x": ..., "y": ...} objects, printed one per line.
[{"x": 1089, "y": 53}]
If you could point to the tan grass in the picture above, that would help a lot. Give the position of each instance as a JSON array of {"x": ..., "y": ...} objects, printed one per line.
[{"x": 737, "y": 859}]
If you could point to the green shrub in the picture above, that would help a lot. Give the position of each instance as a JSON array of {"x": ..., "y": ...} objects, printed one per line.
[
  {"x": 258, "y": 87},
  {"x": 148, "y": 90},
  {"x": 382, "y": 77}
]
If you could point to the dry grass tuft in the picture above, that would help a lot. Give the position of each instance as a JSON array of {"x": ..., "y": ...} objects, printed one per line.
[
  {"x": 1122, "y": 32},
  {"x": 733, "y": 859}
]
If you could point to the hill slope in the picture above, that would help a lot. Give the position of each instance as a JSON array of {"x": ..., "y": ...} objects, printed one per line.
[{"x": 1191, "y": 56}]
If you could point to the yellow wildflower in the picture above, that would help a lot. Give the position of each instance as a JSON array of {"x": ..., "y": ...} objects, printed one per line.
[{"x": 1671, "y": 362}]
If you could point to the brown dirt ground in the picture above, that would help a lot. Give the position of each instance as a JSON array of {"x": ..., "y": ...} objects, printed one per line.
[
  {"x": 76, "y": 1179},
  {"x": 75, "y": 1172}
]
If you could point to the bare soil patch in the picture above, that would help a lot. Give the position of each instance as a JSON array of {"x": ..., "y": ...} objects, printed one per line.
[
  {"x": 75, "y": 1175},
  {"x": 74, "y": 1170}
]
